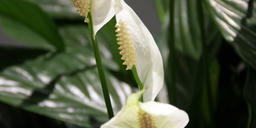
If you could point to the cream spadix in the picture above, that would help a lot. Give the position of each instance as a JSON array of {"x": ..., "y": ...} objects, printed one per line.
[
  {"x": 83, "y": 7},
  {"x": 147, "y": 115},
  {"x": 126, "y": 44}
]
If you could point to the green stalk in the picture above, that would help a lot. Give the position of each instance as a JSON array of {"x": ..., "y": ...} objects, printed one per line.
[
  {"x": 171, "y": 39},
  {"x": 209, "y": 102},
  {"x": 136, "y": 77},
  {"x": 249, "y": 115},
  {"x": 205, "y": 58},
  {"x": 100, "y": 69}
]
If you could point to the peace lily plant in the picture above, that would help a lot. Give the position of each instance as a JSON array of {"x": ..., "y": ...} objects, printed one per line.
[
  {"x": 141, "y": 55},
  {"x": 136, "y": 43},
  {"x": 147, "y": 115}
]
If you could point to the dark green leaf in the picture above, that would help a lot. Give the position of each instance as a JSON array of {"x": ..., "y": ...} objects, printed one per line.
[
  {"x": 24, "y": 34},
  {"x": 13, "y": 117},
  {"x": 195, "y": 51},
  {"x": 188, "y": 38},
  {"x": 187, "y": 65},
  {"x": 13, "y": 56},
  {"x": 32, "y": 17},
  {"x": 249, "y": 93},
  {"x": 79, "y": 36},
  {"x": 65, "y": 85},
  {"x": 236, "y": 20},
  {"x": 57, "y": 8}
]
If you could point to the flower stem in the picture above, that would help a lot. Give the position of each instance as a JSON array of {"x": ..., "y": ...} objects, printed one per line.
[
  {"x": 136, "y": 77},
  {"x": 100, "y": 69},
  {"x": 205, "y": 59},
  {"x": 249, "y": 107},
  {"x": 171, "y": 39}
]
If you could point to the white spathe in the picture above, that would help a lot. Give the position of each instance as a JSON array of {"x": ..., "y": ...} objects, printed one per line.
[
  {"x": 102, "y": 11},
  {"x": 149, "y": 60},
  {"x": 163, "y": 115}
]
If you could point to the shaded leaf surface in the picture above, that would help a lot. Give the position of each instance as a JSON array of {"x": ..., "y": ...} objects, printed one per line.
[
  {"x": 38, "y": 21},
  {"x": 57, "y": 8},
  {"x": 249, "y": 93},
  {"x": 188, "y": 38},
  {"x": 236, "y": 21},
  {"x": 14, "y": 56},
  {"x": 187, "y": 65},
  {"x": 63, "y": 86},
  {"x": 13, "y": 117},
  {"x": 24, "y": 35},
  {"x": 196, "y": 50}
]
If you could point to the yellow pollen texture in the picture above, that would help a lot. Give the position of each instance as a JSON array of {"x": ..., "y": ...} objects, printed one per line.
[
  {"x": 127, "y": 49},
  {"x": 83, "y": 7},
  {"x": 145, "y": 120}
]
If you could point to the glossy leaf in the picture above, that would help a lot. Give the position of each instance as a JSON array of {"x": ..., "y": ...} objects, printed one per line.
[
  {"x": 188, "y": 37},
  {"x": 187, "y": 64},
  {"x": 73, "y": 35},
  {"x": 236, "y": 21},
  {"x": 57, "y": 8},
  {"x": 32, "y": 17},
  {"x": 63, "y": 86},
  {"x": 196, "y": 50},
  {"x": 190, "y": 79},
  {"x": 25, "y": 35},
  {"x": 79, "y": 36}
]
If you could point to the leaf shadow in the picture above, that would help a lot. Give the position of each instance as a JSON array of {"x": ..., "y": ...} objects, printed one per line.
[{"x": 41, "y": 94}]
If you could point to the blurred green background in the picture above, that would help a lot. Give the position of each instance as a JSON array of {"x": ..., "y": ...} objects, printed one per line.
[{"x": 48, "y": 76}]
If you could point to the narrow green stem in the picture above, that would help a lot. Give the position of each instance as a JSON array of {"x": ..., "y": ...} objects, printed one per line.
[
  {"x": 206, "y": 63},
  {"x": 249, "y": 115},
  {"x": 205, "y": 58},
  {"x": 100, "y": 69},
  {"x": 171, "y": 38},
  {"x": 136, "y": 77}
]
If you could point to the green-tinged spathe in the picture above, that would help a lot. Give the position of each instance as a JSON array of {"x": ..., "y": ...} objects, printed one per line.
[{"x": 147, "y": 115}]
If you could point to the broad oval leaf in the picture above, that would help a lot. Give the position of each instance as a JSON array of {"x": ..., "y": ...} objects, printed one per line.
[
  {"x": 188, "y": 37},
  {"x": 64, "y": 85},
  {"x": 53, "y": 88},
  {"x": 57, "y": 8},
  {"x": 24, "y": 35},
  {"x": 34, "y": 19},
  {"x": 236, "y": 20}
]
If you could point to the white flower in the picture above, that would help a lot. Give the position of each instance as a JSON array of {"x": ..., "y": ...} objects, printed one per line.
[
  {"x": 136, "y": 42},
  {"x": 147, "y": 115},
  {"x": 148, "y": 59}
]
